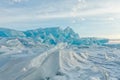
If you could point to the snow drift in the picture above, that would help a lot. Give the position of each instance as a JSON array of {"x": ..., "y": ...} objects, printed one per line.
[{"x": 54, "y": 62}]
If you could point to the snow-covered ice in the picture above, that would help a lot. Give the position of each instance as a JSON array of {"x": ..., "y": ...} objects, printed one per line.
[{"x": 48, "y": 58}]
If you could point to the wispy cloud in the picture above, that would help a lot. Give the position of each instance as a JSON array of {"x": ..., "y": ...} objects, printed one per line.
[
  {"x": 17, "y": 1},
  {"x": 81, "y": 9},
  {"x": 78, "y": 14},
  {"x": 27, "y": 11}
]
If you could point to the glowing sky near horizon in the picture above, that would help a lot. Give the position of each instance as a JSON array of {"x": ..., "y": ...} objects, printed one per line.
[{"x": 89, "y": 18}]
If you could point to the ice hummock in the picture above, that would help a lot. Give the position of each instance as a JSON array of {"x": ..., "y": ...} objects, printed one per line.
[{"x": 53, "y": 36}]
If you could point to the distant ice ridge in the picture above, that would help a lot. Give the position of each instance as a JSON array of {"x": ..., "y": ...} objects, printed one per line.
[{"x": 52, "y": 36}]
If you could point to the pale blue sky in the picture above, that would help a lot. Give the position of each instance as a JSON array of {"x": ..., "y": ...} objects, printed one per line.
[{"x": 89, "y": 18}]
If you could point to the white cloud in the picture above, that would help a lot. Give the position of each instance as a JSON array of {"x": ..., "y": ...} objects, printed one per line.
[
  {"x": 32, "y": 16},
  {"x": 18, "y": 1},
  {"x": 23, "y": 14},
  {"x": 111, "y": 18},
  {"x": 78, "y": 7}
]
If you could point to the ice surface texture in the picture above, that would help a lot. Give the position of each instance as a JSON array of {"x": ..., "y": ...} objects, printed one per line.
[{"x": 56, "y": 54}]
